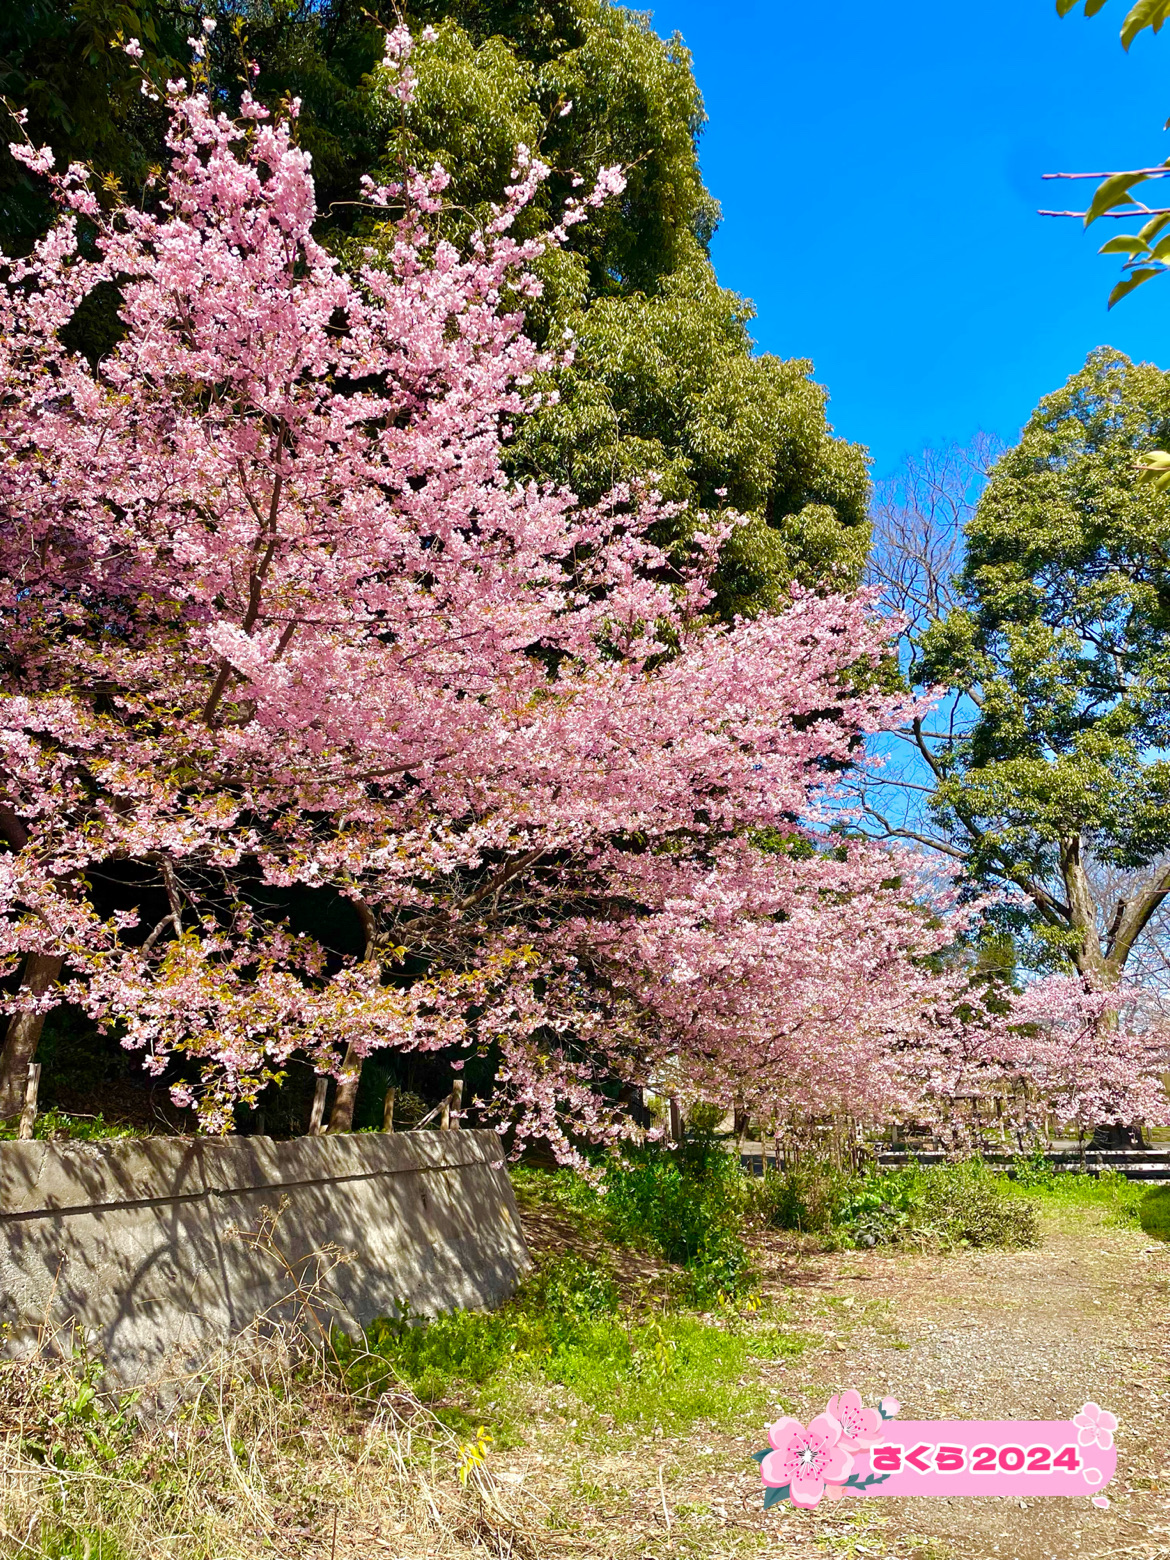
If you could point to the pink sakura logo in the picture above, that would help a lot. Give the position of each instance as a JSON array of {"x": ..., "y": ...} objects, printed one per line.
[
  {"x": 806, "y": 1463},
  {"x": 850, "y": 1449}
]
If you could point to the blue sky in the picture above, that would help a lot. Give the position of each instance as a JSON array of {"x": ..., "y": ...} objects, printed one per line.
[{"x": 879, "y": 171}]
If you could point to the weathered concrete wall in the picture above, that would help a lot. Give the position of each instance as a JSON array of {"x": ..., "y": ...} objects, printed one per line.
[{"x": 132, "y": 1240}]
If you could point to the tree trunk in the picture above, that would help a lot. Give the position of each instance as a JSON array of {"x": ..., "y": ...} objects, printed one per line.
[
  {"x": 24, "y": 1034},
  {"x": 1117, "y": 1134},
  {"x": 1102, "y": 967},
  {"x": 341, "y": 1116}
]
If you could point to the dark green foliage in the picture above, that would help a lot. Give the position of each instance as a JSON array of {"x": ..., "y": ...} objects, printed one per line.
[
  {"x": 802, "y": 1198},
  {"x": 1154, "y": 1212},
  {"x": 59, "y": 60},
  {"x": 663, "y": 380},
  {"x": 689, "y": 1203},
  {"x": 74, "y": 1055},
  {"x": 962, "y": 1204}
]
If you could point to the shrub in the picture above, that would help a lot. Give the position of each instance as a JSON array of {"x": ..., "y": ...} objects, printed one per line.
[
  {"x": 689, "y": 1203},
  {"x": 802, "y": 1198},
  {"x": 966, "y": 1205}
]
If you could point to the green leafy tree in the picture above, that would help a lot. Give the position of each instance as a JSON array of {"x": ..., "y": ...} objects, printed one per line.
[
  {"x": 62, "y": 61},
  {"x": 1045, "y": 771},
  {"x": 664, "y": 382}
]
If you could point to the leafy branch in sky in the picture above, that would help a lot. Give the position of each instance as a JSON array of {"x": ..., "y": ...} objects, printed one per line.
[{"x": 1148, "y": 250}]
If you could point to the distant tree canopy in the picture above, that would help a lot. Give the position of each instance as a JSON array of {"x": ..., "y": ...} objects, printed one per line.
[
  {"x": 1047, "y": 769},
  {"x": 663, "y": 381}
]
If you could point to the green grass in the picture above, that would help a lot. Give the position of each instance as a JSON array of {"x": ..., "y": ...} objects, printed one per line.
[
  {"x": 57, "y": 1124},
  {"x": 1154, "y": 1212},
  {"x": 560, "y": 1191},
  {"x": 1056, "y": 1190},
  {"x": 68, "y": 1543},
  {"x": 567, "y": 1329}
]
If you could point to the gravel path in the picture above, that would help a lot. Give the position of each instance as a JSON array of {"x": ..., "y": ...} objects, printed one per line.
[{"x": 1030, "y": 1335}]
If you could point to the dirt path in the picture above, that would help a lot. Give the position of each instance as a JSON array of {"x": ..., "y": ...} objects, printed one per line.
[{"x": 1030, "y": 1335}]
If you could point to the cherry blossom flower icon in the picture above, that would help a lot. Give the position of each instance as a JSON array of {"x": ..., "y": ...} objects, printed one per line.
[
  {"x": 1095, "y": 1426},
  {"x": 807, "y": 1459},
  {"x": 861, "y": 1427}
]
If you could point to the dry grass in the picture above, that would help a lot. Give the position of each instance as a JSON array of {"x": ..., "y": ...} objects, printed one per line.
[{"x": 262, "y": 1451}]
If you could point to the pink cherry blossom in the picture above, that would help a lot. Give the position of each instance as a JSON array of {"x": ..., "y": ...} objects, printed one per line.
[
  {"x": 890, "y": 1406},
  {"x": 277, "y": 619},
  {"x": 806, "y": 1459},
  {"x": 861, "y": 1427},
  {"x": 1095, "y": 1426}
]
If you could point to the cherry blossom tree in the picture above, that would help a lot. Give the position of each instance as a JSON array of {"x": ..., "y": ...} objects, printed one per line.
[{"x": 274, "y": 616}]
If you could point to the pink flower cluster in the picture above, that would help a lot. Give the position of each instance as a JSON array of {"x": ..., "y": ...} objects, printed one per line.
[{"x": 277, "y": 621}]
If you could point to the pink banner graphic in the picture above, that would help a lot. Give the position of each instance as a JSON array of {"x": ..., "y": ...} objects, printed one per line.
[{"x": 854, "y": 1450}]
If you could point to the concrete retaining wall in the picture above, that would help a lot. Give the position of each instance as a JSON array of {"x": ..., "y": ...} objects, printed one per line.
[{"x": 132, "y": 1240}]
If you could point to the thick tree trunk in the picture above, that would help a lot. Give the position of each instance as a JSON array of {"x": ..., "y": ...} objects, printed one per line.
[
  {"x": 1115, "y": 1134},
  {"x": 24, "y": 1033},
  {"x": 1103, "y": 966}
]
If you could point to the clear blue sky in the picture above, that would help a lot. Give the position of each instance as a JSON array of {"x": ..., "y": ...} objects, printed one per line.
[{"x": 879, "y": 171}]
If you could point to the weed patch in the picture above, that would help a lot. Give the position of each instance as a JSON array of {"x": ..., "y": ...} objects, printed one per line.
[
  {"x": 566, "y": 1328},
  {"x": 942, "y": 1206},
  {"x": 52, "y": 1124},
  {"x": 685, "y": 1204},
  {"x": 689, "y": 1203},
  {"x": 1116, "y": 1197}
]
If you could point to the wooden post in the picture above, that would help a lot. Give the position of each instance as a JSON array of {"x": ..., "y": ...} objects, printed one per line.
[
  {"x": 456, "y": 1104},
  {"x": 675, "y": 1121},
  {"x": 29, "y": 1114},
  {"x": 445, "y": 1115},
  {"x": 388, "y": 1109},
  {"x": 318, "y": 1116}
]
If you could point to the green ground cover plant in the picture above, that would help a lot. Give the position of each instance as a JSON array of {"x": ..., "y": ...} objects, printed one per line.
[
  {"x": 568, "y": 1328},
  {"x": 1154, "y": 1212},
  {"x": 1055, "y": 1189},
  {"x": 53, "y": 1124}
]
